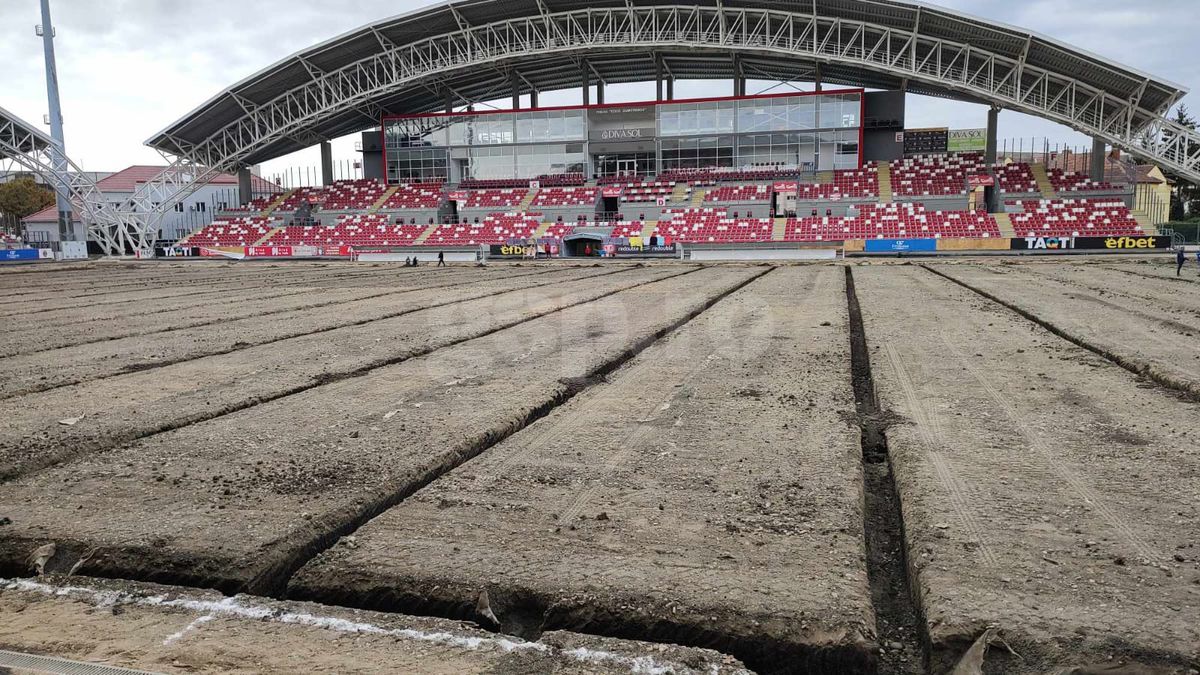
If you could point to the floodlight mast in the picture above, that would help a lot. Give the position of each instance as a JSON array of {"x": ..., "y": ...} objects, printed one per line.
[{"x": 59, "y": 152}]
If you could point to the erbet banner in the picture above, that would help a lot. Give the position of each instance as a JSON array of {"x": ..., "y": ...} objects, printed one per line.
[{"x": 1124, "y": 243}]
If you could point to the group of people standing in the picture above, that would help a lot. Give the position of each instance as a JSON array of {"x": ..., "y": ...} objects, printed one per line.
[{"x": 412, "y": 262}]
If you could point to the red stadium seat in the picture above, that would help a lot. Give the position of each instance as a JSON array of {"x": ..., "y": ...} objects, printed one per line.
[
  {"x": 363, "y": 230},
  {"x": 935, "y": 175},
  {"x": 894, "y": 221},
  {"x": 1074, "y": 218},
  {"x": 1070, "y": 181},
  {"x": 242, "y": 231},
  {"x": 566, "y": 196},
  {"x": 415, "y": 196},
  {"x": 496, "y": 228}
]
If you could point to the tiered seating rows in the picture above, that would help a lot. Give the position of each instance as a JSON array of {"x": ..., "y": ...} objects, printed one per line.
[
  {"x": 315, "y": 195},
  {"x": 353, "y": 195},
  {"x": 935, "y": 175},
  {"x": 232, "y": 231},
  {"x": 358, "y": 230},
  {"x": 566, "y": 196},
  {"x": 893, "y": 221},
  {"x": 646, "y": 191},
  {"x": 1073, "y": 218},
  {"x": 496, "y": 228},
  {"x": 1070, "y": 181},
  {"x": 739, "y": 193},
  {"x": 709, "y": 225},
  {"x": 620, "y": 180},
  {"x": 494, "y": 198},
  {"x": 1016, "y": 177},
  {"x": 415, "y": 196}
]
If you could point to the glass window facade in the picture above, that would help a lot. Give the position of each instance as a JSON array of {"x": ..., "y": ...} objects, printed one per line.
[
  {"x": 497, "y": 162},
  {"x": 550, "y": 158},
  {"x": 416, "y": 165},
  {"x": 551, "y": 125},
  {"x": 415, "y": 132},
  {"x": 706, "y": 117},
  {"x": 777, "y": 114},
  {"x": 697, "y": 152},
  {"x": 812, "y": 132}
]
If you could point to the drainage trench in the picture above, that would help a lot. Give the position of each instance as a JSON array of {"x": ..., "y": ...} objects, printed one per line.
[
  {"x": 274, "y": 580},
  {"x": 899, "y": 626},
  {"x": 528, "y": 613}
]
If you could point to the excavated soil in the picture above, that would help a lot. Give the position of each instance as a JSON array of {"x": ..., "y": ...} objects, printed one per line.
[
  {"x": 170, "y": 629},
  {"x": 238, "y": 501},
  {"x": 122, "y": 408},
  {"x": 49, "y": 368},
  {"x": 708, "y": 492},
  {"x": 527, "y": 468},
  {"x": 1045, "y": 490}
]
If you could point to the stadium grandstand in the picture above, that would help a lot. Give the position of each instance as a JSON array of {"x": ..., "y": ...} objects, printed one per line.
[
  {"x": 362, "y": 462},
  {"x": 839, "y": 150},
  {"x": 831, "y": 164}
]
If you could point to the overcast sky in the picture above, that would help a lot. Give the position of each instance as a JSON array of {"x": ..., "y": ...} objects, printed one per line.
[{"x": 128, "y": 68}]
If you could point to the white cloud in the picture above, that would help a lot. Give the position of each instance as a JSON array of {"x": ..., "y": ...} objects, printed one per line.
[{"x": 128, "y": 68}]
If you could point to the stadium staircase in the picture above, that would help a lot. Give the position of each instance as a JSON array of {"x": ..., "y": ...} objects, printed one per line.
[
  {"x": 824, "y": 177},
  {"x": 698, "y": 197},
  {"x": 884, "y": 176},
  {"x": 266, "y": 237},
  {"x": 1143, "y": 219},
  {"x": 1005, "y": 224},
  {"x": 541, "y": 231},
  {"x": 275, "y": 204},
  {"x": 779, "y": 229},
  {"x": 387, "y": 194},
  {"x": 648, "y": 228},
  {"x": 680, "y": 193},
  {"x": 527, "y": 201},
  {"x": 425, "y": 235},
  {"x": 1043, "y": 180}
]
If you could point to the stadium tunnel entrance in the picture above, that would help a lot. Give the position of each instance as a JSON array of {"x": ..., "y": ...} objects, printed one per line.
[{"x": 583, "y": 245}]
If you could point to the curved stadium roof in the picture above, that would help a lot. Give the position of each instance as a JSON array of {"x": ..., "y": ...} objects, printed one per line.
[
  {"x": 18, "y": 136},
  {"x": 613, "y": 62}
]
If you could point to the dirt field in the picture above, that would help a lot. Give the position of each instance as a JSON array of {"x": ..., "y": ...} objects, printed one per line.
[{"x": 854, "y": 468}]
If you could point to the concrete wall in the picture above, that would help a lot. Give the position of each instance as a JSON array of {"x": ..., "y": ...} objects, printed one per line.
[
  {"x": 881, "y": 145},
  {"x": 48, "y": 232},
  {"x": 804, "y": 208},
  {"x": 760, "y": 209},
  {"x": 426, "y": 255},
  {"x": 422, "y": 216},
  {"x": 956, "y": 203},
  {"x": 372, "y": 155},
  {"x": 762, "y": 254},
  {"x": 569, "y": 214},
  {"x": 884, "y": 118}
]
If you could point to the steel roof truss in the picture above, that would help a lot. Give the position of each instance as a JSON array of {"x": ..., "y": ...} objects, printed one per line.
[{"x": 934, "y": 64}]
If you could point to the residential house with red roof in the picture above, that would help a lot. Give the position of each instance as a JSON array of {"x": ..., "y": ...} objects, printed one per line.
[{"x": 196, "y": 211}]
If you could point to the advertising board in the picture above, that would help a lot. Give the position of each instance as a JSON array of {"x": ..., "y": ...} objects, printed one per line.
[
  {"x": 1122, "y": 243},
  {"x": 18, "y": 254},
  {"x": 1041, "y": 243},
  {"x": 967, "y": 140},
  {"x": 900, "y": 245}
]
